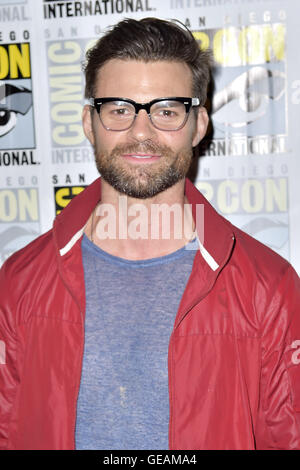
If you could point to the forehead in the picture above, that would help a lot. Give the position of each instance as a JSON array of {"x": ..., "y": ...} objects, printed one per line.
[{"x": 142, "y": 81}]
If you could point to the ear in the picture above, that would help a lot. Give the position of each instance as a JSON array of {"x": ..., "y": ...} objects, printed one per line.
[
  {"x": 201, "y": 126},
  {"x": 87, "y": 124}
]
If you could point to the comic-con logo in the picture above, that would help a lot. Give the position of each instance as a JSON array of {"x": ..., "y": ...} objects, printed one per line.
[
  {"x": 66, "y": 91},
  {"x": 16, "y": 113},
  {"x": 13, "y": 10},
  {"x": 19, "y": 219},
  {"x": 259, "y": 206},
  {"x": 70, "y": 8},
  {"x": 249, "y": 107},
  {"x": 64, "y": 194}
]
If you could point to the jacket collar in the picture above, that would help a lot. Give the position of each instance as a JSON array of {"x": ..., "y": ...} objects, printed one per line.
[
  {"x": 214, "y": 232},
  {"x": 216, "y": 241},
  {"x": 70, "y": 223}
]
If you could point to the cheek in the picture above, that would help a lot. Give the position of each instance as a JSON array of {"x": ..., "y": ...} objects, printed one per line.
[
  {"x": 104, "y": 141},
  {"x": 179, "y": 139}
]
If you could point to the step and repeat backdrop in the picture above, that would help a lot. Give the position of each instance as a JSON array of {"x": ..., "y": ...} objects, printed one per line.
[{"x": 248, "y": 166}]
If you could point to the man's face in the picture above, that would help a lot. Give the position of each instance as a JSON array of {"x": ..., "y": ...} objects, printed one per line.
[{"x": 143, "y": 161}]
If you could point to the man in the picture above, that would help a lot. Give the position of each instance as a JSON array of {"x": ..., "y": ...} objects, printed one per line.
[{"x": 120, "y": 337}]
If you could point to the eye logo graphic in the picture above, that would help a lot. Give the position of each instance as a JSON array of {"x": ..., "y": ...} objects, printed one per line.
[
  {"x": 16, "y": 101},
  {"x": 248, "y": 100},
  {"x": 249, "y": 106}
]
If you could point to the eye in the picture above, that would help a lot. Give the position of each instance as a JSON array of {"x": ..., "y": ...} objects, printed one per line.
[
  {"x": 164, "y": 113},
  {"x": 8, "y": 120},
  {"x": 117, "y": 109},
  {"x": 120, "y": 111},
  {"x": 167, "y": 109},
  {"x": 167, "y": 113},
  {"x": 14, "y": 101}
]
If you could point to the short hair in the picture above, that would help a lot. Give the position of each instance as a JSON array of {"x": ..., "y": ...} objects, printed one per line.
[{"x": 148, "y": 40}]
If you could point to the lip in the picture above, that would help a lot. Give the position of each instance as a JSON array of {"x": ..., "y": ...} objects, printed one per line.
[{"x": 141, "y": 157}]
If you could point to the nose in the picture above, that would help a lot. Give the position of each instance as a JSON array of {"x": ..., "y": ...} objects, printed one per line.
[{"x": 142, "y": 129}]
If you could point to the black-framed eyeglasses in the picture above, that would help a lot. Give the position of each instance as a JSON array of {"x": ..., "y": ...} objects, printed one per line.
[{"x": 166, "y": 114}]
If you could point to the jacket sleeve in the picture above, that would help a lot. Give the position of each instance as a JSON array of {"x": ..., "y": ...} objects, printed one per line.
[
  {"x": 8, "y": 355},
  {"x": 278, "y": 424}
]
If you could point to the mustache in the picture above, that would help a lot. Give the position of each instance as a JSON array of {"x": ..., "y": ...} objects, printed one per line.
[{"x": 145, "y": 147}]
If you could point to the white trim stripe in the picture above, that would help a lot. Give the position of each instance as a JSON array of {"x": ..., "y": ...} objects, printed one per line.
[
  {"x": 208, "y": 258},
  {"x": 72, "y": 242}
]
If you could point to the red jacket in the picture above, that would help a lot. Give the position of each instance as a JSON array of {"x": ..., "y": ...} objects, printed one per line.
[{"x": 234, "y": 353}]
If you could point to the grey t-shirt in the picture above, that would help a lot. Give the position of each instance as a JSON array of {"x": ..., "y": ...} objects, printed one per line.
[{"x": 123, "y": 400}]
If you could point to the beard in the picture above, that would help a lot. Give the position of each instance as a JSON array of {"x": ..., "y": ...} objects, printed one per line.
[{"x": 144, "y": 180}]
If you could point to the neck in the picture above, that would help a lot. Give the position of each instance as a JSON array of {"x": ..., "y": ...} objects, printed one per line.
[{"x": 141, "y": 228}]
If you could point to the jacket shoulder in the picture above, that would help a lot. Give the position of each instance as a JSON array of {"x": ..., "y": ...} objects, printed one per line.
[
  {"x": 28, "y": 257},
  {"x": 23, "y": 274},
  {"x": 263, "y": 287},
  {"x": 258, "y": 257}
]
